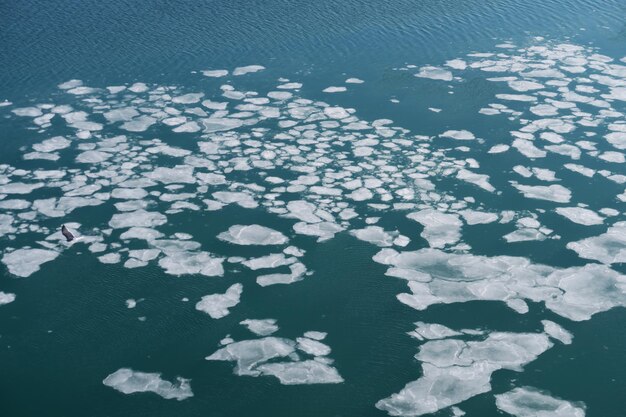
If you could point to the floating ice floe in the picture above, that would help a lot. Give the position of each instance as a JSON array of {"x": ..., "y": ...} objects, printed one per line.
[
  {"x": 253, "y": 359},
  {"x": 530, "y": 402},
  {"x": 434, "y": 73},
  {"x": 218, "y": 305},
  {"x": 458, "y": 135},
  {"x": 26, "y": 261},
  {"x": 580, "y": 215},
  {"x": 248, "y": 69},
  {"x": 555, "y": 192},
  {"x": 264, "y": 327},
  {"x": 608, "y": 248},
  {"x": 215, "y": 73},
  {"x": 6, "y": 298},
  {"x": 128, "y": 381},
  {"x": 461, "y": 370},
  {"x": 252, "y": 235},
  {"x": 436, "y": 277},
  {"x": 440, "y": 229}
]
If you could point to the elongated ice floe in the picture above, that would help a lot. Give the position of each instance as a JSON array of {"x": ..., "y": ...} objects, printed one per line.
[
  {"x": 252, "y": 235},
  {"x": 128, "y": 381},
  {"x": 248, "y": 69},
  {"x": 436, "y": 277},
  {"x": 530, "y": 402},
  {"x": 580, "y": 215},
  {"x": 554, "y": 192},
  {"x": 305, "y": 372}
]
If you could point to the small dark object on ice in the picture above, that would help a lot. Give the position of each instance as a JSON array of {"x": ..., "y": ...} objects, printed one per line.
[{"x": 68, "y": 235}]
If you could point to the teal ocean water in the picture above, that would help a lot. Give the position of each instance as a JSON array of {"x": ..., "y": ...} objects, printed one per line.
[{"x": 319, "y": 209}]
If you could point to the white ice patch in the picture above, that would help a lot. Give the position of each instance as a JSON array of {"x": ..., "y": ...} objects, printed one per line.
[
  {"x": 458, "y": 135},
  {"x": 300, "y": 373},
  {"x": 434, "y": 73},
  {"x": 215, "y": 73},
  {"x": 529, "y": 402},
  {"x": 440, "y": 229},
  {"x": 557, "y": 332},
  {"x": 334, "y": 89},
  {"x": 26, "y": 261},
  {"x": 218, "y": 305},
  {"x": 436, "y": 277},
  {"x": 608, "y": 248},
  {"x": 248, "y": 69},
  {"x": 264, "y": 327},
  {"x": 375, "y": 235},
  {"x": 580, "y": 215},
  {"x": 6, "y": 298},
  {"x": 128, "y": 381},
  {"x": 454, "y": 371},
  {"x": 137, "y": 218},
  {"x": 554, "y": 192},
  {"x": 252, "y": 235}
]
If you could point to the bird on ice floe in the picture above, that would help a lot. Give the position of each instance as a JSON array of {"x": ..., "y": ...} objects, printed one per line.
[{"x": 68, "y": 235}]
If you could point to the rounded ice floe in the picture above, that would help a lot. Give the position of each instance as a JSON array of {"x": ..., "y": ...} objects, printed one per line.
[
  {"x": 128, "y": 381},
  {"x": 354, "y": 81},
  {"x": 218, "y": 305},
  {"x": 458, "y": 135},
  {"x": 323, "y": 230},
  {"x": 264, "y": 327},
  {"x": 53, "y": 144},
  {"x": 376, "y": 235},
  {"x": 26, "y": 261},
  {"x": 580, "y": 215},
  {"x": 6, "y": 298},
  {"x": 252, "y": 235},
  {"x": 92, "y": 157},
  {"x": 530, "y": 402},
  {"x": 110, "y": 258}
]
